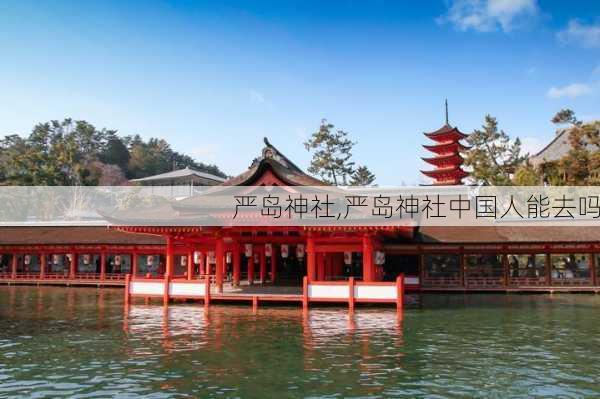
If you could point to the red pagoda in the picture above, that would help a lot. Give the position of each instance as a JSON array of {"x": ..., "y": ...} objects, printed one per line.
[{"x": 447, "y": 160}]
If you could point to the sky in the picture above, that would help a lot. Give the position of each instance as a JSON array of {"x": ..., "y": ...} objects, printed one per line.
[{"x": 214, "y": 78}]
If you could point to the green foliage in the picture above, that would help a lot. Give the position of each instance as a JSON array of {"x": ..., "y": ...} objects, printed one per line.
[
  {"x": 332, "y": 154},
  {"x": 66, "y": 153},
  {"x": 581, "y": 165},
  {"x": 565, "y": 115},
  {"x": 362, "y": 177},
  {"x": 526, "y": 175},
  {"x": 493, "y": 157}
]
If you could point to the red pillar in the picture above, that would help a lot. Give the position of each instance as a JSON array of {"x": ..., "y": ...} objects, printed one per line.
[
  {"x": 263, "y": 266},
  {"x": 43, "y": 265},
  {"x": 237, "y": 265},
  {"x": 320, "y": 266},
  {"x": 311, "y": 262},
  {"x": 190, "y": 265},
  {"x": 134, "y": 264},
  {"x": 201, "y": 265},
  {"x": 103, "y": 266},
  {"x": 73, "y": 265},
  {"x": 170, "y": 257},
  {"x": 273, "y": 265},
  {"x": 251, "y": 269},
  {"x": 219, "y": 255},
  {"x": 13, "y": 266},
  {"x": 368, "y": 264}
]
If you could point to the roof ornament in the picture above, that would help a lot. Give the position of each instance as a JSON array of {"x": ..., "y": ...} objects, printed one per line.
[
  {"x": 446, "y": 102},
  {"x": 266, "y": 140}
]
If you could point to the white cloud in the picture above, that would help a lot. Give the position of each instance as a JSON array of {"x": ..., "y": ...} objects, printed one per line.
[
  {"x": 489, "y": 15},
  {"x": 580, "y": 34},
  {"x": 257, "y": 97},
  {"x": 573, "y": 90}
]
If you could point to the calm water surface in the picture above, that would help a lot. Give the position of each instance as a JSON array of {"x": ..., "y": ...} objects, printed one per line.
[{"x": 81, "y": 342}]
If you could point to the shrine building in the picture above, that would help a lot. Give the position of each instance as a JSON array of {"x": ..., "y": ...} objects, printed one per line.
[{"x": 303, "y": 263}]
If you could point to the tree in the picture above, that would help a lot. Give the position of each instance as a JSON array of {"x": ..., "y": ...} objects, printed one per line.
[
  {"x": 71, "y": 152},
  {"x": 115, "y": 152},
  {"x": 332, "y": 154},
  {"x": 493, "y": 157},
  {"x": 362, "y": 177},
  {"x": 564, "y": 116},
  {"x": 526, "y": 175}
]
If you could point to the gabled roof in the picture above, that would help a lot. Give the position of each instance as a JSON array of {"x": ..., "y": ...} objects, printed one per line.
[
  {"x": 179, "y": 174},
  {"x": 272, "y": 159}
]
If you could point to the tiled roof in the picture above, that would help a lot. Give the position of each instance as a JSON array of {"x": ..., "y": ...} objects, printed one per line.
[
  {"x": 178, "y": 174},
  {"x": 72, "y": 235}
]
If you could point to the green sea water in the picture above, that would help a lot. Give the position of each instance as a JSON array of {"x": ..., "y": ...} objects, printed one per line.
[{"x": 83, "y": 343}]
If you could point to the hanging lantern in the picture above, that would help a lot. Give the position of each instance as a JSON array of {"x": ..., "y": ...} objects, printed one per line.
[
  {"x": 56, "y": 259},
  {"x": 150, "y": 260},
  {"x": 86, "y": 259},
  {"x": 27, "y": 259},
  {"x": 300, "y": 251},
  {"x": 117, "y": 260},
  {"x": 228, "y": 257},
  {"x": 248, "y": 250},
  {"x": 285, "y": 251},
  {"x": 347, "y": 258},
  {"x": 211, "y": 257},
  {"x": 256, "y": 258},
  {"x": 379, "y": 257},
  {"x": 69, "y": 257},
  {"x": 268, "y": 250},
  {"x": 197, "y": 256},
  {"x": 183, "y": 260}
]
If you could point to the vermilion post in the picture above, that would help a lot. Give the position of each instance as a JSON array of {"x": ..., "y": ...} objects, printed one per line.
[
  {"x": 207, "y": 288},
  {"x": 134, "y": 264},
  {"x": 103, "y": 266},
  {"x": 127, "y": 289},
  {"x": 170, "y": 257},
  {"x": 273, "y": 265},
  {"x": 399, "y": 293},
  {"x": 43, "y": 265},
  {"x": 190, "y": 265},
  {"x": 237, "y": 265},
  {"x": 263, "y": 266},
  {"x": 351, "y": 293},
  {"x": 254, "y": 303},
  {"x": 251, "y": 270},
  {"x": 368, "y": 265},
  {"x": 166, "y": 290},
  {"x": 13, "y": 266},
  {"x": 311, "y": 263},
  {"x": 305, "y": 292},
  {"x": 219, "y": 254},
  {"x": 73, "y": 265}
]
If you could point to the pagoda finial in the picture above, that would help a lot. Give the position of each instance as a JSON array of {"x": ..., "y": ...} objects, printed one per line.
[{"x": 446, "y": 102}]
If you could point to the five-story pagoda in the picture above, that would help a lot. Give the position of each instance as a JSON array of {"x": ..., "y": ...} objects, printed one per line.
[{"x": 447, "y": 160}]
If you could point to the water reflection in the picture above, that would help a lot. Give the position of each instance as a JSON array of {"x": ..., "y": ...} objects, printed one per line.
[{"x": 69, "y": 342}]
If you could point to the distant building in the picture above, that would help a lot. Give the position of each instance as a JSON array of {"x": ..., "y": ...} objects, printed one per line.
[
  {"x": 556, "y": 149},
  {"x": 182, "y": 177}
]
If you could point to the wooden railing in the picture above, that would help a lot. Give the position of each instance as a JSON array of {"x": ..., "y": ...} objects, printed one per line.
[
  {"x": 441, "y": 282},
  {"x": 571, "y": 282},
  {"x": 527, "y": 281},
  {"x": 485, "y": 281}
]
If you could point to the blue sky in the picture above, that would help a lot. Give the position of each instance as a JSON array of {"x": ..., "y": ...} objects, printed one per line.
[{"x": 214, "y": 78}]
